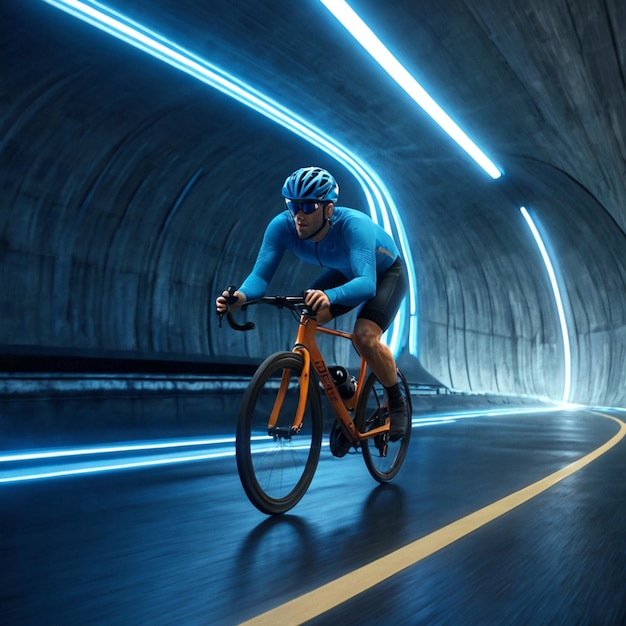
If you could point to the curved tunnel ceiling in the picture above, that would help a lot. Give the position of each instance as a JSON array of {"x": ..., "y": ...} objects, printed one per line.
[{"x": 134, "y": 193}]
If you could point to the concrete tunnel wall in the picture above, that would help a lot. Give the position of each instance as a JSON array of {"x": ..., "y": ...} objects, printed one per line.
[
  {"x": 490, "y": 303},
  {"x": 120, "y": 223}
]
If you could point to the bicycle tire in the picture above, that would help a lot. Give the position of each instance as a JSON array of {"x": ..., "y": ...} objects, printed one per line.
[
  {"x": 382, "y": 457},
  {"x": 276, "y": 471}
]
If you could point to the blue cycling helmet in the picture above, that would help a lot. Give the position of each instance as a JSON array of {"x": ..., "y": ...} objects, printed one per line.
[{"x": 311, "y": 183}]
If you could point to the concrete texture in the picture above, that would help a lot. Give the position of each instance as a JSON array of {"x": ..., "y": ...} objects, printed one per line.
[{"x": 131, "y": 194}]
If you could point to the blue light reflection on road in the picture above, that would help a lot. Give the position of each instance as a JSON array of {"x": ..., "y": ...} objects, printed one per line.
[{"x": 33, "y": 465}]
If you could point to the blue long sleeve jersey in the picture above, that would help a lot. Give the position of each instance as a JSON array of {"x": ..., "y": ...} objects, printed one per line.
[{"x": 355, "y": 246}]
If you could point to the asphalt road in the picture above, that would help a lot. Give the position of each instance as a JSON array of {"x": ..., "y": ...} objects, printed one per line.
[{"x": 179, "y": 543}]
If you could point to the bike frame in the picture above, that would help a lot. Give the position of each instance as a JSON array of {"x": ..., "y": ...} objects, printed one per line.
[{"x": 306, "y": 345}]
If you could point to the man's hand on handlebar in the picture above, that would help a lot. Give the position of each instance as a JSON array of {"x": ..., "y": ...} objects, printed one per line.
[
  {"x": 316, "y": 299},
  {"x": 313, "y": 304},
  {"x": 229, "y": 300}
]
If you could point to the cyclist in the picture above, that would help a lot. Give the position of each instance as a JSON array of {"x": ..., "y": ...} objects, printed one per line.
[{"x": 363, "y": 267}]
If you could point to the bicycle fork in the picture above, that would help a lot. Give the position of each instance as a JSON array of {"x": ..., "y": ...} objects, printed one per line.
[
  {"x": 331, "y": 391},
  {"x": 286, "y": 433}
]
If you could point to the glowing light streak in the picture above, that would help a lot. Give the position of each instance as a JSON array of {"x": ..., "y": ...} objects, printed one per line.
[
  {"x": 567, "y": 356},
  {"x": 381, "y": 205},
  {"x": 366, "y": 37},
  {"x": 21, "y": 475},
  {"x": 115, "y": 449},
  {"x": 225, "y": 449}
]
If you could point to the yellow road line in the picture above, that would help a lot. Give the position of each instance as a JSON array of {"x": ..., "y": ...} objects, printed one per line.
[{"x": 338, "y": 591}]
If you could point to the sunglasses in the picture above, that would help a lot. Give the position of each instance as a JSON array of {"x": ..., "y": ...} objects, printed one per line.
[{"x": 306, "y": 207}]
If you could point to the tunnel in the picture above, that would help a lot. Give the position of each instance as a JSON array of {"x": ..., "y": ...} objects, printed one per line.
[
  {"x": 135, "y": 193},
  {"x": 136, "y": 190}
]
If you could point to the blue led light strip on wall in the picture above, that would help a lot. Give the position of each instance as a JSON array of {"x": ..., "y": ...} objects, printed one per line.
[
  {"x": 365, "y": 36},
  {"x": 567, "y": 356},
  {"x": 381, "y": 206}
]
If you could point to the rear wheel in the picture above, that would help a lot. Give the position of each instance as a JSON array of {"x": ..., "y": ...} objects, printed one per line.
[
  {"x": 276, "y": 465},
  {"x": 382, "y": 457}
]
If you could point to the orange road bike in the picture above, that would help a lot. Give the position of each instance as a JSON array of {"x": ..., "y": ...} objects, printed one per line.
[{"x": 280, "y": 423}]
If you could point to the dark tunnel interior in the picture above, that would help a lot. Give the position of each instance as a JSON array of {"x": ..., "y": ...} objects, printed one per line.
[{"x": 132, "y": 193}]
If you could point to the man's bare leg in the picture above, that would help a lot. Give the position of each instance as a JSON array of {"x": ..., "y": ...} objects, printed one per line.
[{"x": 367, "y": 340}]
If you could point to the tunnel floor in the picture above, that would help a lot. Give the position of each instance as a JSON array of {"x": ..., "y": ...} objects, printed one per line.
[{"x": 444, "y": 543}]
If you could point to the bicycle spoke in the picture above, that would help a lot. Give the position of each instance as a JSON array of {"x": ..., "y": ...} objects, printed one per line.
[
  {"x": 276, "y": 463},
  {"x": 382, "y": 456}
]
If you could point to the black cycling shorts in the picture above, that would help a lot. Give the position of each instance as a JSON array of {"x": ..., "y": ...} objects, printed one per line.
[{"x": 391, "y": 288}]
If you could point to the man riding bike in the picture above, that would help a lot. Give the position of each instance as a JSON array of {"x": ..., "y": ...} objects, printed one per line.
[{"x": 363, "y": 267}]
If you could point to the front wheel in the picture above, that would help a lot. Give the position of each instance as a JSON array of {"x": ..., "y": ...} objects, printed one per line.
[
  {"x": 382, "y": 457},
  {"x": 276, "y": 464}
]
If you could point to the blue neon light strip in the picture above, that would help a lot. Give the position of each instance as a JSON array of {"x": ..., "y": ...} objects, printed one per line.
[
  {"x": 567, "y": 355},
  {"x": 381, "y": 206},
  {"x": 113, "y": 449},
  {"x": 366, "y": 37},
  {"x": 97, "y": 468},
  {"x": 84, "y": 461}
]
